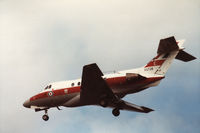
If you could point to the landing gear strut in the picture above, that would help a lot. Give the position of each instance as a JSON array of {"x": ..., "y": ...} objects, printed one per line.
[
  {"x": 45, "y": 117},
  {"x": 115, "y": 112}
]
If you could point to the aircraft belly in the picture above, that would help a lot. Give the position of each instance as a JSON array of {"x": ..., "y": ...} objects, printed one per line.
[
  {"x": 73, "y": 101},
  {"x": 132, "y": 87},
  {"x": 52, "y": 101},
  {"x": 153, "y": 84}
]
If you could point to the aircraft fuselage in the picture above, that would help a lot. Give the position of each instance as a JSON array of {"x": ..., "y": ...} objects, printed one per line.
[
  {"x": 70, "y": 96},
  {"x": 95, "y": 88}
]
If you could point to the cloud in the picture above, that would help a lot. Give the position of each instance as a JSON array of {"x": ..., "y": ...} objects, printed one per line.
[{"x": 45, "y": 41}]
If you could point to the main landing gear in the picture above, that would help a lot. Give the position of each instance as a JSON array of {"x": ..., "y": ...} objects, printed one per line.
[
  {"x": 116, "y": 112},
  {"x": 104, "y": 103},
  {"x": 45, "y": 117}
]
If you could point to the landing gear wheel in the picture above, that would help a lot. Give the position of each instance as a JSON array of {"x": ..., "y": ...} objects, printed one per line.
[
  {"x": 103, "y": 103},
  {"x": 116, "y": 112},
  {"x": 45, "y": 117}
]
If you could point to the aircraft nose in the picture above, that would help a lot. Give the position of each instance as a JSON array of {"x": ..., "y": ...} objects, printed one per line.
[{"x": 27, "y": 103}]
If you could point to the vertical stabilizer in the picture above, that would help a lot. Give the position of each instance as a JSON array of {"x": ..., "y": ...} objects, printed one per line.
[{"x": 168, "y": 50}]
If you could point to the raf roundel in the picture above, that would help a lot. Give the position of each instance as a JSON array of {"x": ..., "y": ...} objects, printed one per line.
[{"x": 50, "y": 93}]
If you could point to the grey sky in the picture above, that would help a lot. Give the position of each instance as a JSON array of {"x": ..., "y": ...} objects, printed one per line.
[{"x": 45, "y": 41}]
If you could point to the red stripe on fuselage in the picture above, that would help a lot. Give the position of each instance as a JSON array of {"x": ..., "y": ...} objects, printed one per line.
[
  {"x": 111, "y": 82},
  {"x": 56, "y": 92},
  {"x": 156, "y": 57},
  {"x": 116, "y": 80}
]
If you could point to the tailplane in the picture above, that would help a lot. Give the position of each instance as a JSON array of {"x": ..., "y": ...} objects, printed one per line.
[{"x": 168, "y": 50}]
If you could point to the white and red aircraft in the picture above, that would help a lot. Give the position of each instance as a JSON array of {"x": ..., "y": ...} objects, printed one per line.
[{"x": 94, "y": 88}]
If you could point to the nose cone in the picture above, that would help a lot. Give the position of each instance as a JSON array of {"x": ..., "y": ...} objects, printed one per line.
[{"x": 26, "y": 104}]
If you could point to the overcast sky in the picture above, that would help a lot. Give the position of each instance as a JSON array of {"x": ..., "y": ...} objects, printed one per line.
[{"x": 47, "y": 41}]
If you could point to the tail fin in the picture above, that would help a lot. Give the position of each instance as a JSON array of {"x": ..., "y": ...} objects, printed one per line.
[{"x": 168, "y": 49}]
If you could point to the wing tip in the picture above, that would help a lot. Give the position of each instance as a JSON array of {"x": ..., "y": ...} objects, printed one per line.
[
  {"x": 147, "y": 110},
  {"x": 93, "y": 68}
]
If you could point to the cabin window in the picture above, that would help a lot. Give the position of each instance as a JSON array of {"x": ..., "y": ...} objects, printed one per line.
[
  {"x": 49, "y": 86},
  {"x": 79, "y": 83},
  {"x": 72, "y": 84}
]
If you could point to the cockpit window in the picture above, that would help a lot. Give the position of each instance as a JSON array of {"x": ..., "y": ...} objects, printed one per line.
[{"x": 46, "y": 88}]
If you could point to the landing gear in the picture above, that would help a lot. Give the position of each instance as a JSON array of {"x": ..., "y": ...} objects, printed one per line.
[
  {"x": 45, "y": 117},
  {"x": 103, "y": 103},
  {"x": 115, "y": 112}
]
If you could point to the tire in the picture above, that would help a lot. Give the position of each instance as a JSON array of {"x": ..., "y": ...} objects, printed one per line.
[
  {"x": 116, "y": 112},
  {"x": 45, "y": 117},
  {"x": 103, "y": 103}
]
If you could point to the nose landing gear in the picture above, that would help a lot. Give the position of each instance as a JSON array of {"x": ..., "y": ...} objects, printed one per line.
[{"x": 45, "y": 117}]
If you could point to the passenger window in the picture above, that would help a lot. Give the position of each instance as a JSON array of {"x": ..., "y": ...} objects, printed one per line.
[
  {"x": 79, "y": 83},
  {"x": 49, "y": 86},
  {"x": 72, "y": 84}
]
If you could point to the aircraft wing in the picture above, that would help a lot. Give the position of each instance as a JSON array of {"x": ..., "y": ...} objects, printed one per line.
[
  {"x": 133, "y": 107},
  {"x": 93, "y": 86}
]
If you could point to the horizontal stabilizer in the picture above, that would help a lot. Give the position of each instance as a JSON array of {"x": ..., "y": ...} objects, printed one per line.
[
  {"x": 184, "y": 56},
  {"x": 167, "y": 45}
]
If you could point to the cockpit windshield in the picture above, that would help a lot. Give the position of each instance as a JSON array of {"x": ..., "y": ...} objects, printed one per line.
[{"x": 48, "y": 87}]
